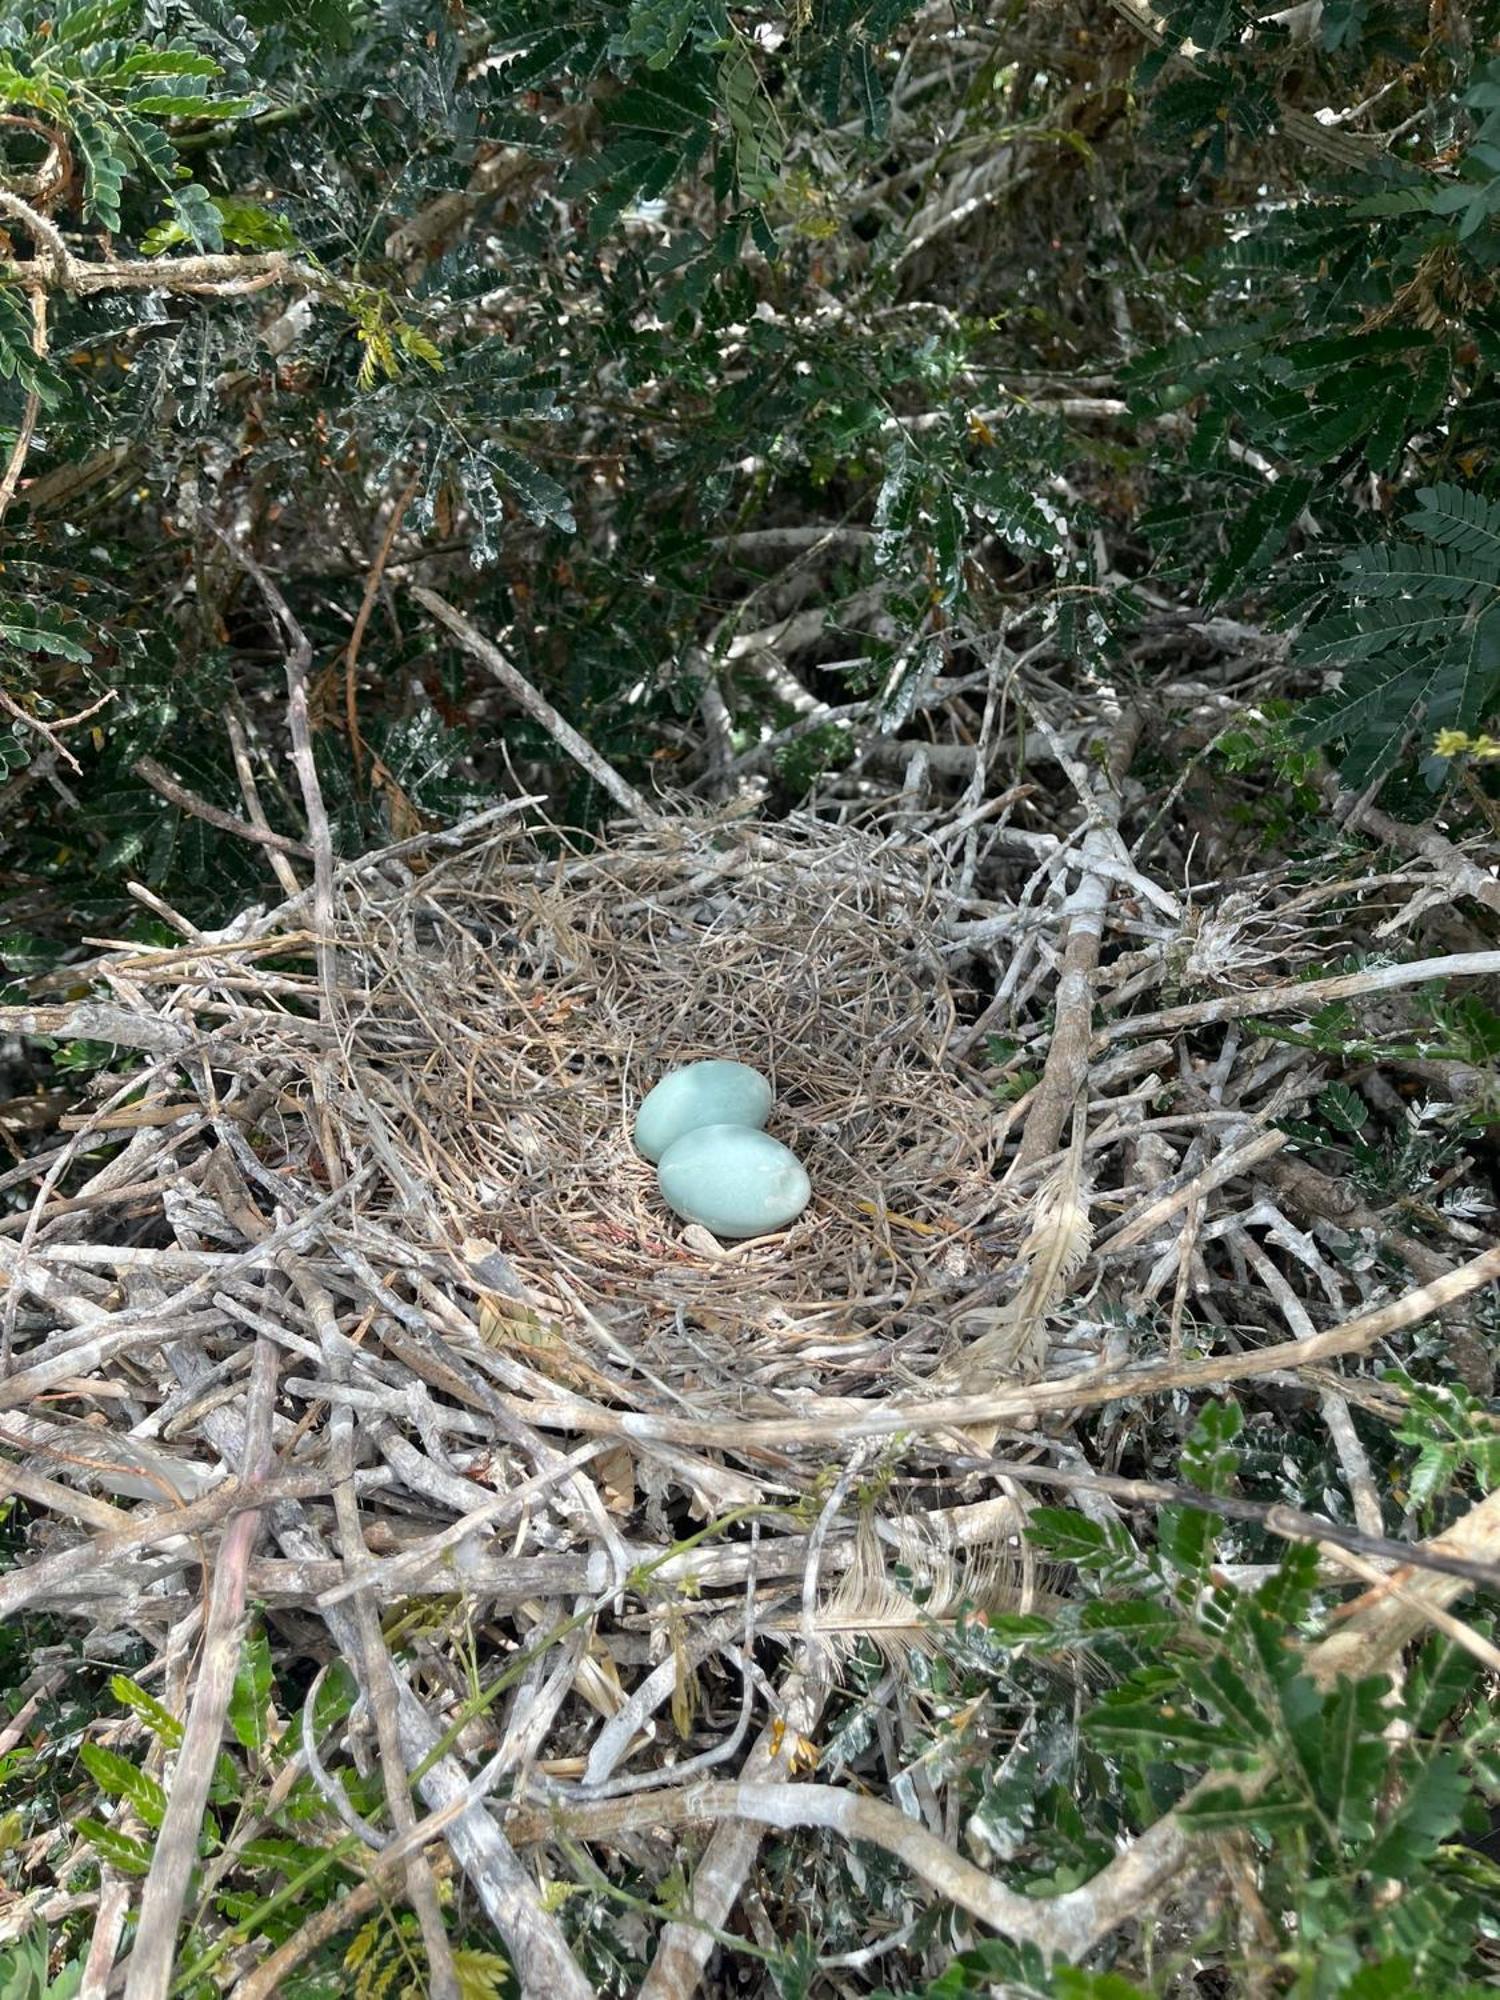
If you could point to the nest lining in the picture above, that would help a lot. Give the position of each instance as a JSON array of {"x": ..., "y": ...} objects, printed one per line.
[{"x": 502, "y": 1017}]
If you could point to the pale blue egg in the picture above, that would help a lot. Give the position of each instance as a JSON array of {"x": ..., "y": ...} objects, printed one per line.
[
  {"x": 734, "y": 1180},
  {"x": 704, "y": 1093}
]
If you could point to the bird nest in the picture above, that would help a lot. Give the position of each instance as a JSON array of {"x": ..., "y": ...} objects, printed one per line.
[{"x": 500, "y": 1016}]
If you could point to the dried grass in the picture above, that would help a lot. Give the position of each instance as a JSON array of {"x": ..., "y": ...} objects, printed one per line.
[{"x": 501, "y": 1018}]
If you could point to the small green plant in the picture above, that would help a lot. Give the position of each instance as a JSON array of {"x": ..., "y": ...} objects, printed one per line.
[{"x": 26, "y": 1974}]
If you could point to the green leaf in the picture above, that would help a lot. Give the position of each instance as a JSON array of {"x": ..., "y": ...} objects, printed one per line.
[
  {"x": 1458, "y": 519},
  {"x": 542, "y": 499},
  {"x": 1340, "y": 1745},
  {"x": 120, "y": 1850},
  {"x": 1259, "y": 536},
  {"x": 197, "y": 214},
  {"x": 1136, "y": 1619},
  {"x": 1421, "y": 570},
  {"x": 757, "y": 140},
  {"x": 249, "y": 225},
  {"x": 482, "y": 1975},
  {"x": 1186, "y": 1537},
  {"x": 336, "y": 1698},
  {"x": 19, "y": 363},
  {"x": 46, "y": 629},
  {"x": 873, "y": 103},
  {"x": 1209, "y": 1456},
  {"x": 250, "y": 1702},
  {"x": 118, "y": 1778},
  {"x": 157, "y": 104},
  {"x": 1394, "y": 201},
  {"x": 86, "y": 25},
  {"x": 1225, "y": 1808},
  {"x": 1425, "y": 1817},
  {"x": 159, "y": 1719},
  {"x": 1342, "y": 1109},
  {"x": 1155, "y": 1728},
  {"x": 159, "y": 62},
  {"x": 1343, "y": 23},
  {"x": 287, "y": 1857},
  {"x": 657, "y": 29},
  {"x": 1067, "y": 1536},
  {"x": 1381, "y": 703},
  {"x": 105, "y": 166}
]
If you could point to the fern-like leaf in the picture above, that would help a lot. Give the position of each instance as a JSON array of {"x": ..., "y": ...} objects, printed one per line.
[{"x": 1458, "y": 519}]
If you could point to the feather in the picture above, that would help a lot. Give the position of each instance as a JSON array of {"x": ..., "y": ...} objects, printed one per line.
[
  {"x": 912, "y": 1612},
  {"x": 1010, "y": 1340}
]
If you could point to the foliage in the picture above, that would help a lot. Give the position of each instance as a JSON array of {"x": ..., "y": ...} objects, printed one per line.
[
  {"x": 1354, "y": 1799},
  {"x": 567, "y": 287}
]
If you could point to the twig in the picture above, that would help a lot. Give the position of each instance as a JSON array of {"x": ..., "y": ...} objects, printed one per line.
[
  {"x": 1083, "y": 921},
  {"x": 25, "y": 1586},
  {"x": 149, "y": 1972},
  {"x": 1082, "y": 1391},
  {"x": 298, "y": 666},
  {"x": 51, "y": 732},
  {"x": 536, "y": 706},
  {"x": 382, "y": 1873},
  {"x": 367, "y": 605},
  {"x": 686, "y": 1944},
  {"x": 1304, "y": 996},
  {"x": 162, "y": 782},
  {"x": 1289, "y": 1523},
  {"x": 244, "y": 771},
  {"x": 1461, "y": 876},
  {"x": 32, "y": 409},
  {"x": 377, "y": 1679},
  {"x": 1067, "y": 1924},
  {"x": 223, "y": 275},
  {"x": 1228, "y": 1166}
]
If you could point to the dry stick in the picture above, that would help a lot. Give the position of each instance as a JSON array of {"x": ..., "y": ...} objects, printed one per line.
[
  {"x": 1083, "y": 917},
  {"x": 244, "y": 771},
  {"x": 1305, "y": 996},
  {"x": 378, "y": 1677},
  {"x": 149, "y": 1971},
  {"x": 1066, "y": 1924},
  {"x": 166, "y": 786},
  {"x": 546, "y": 1967},
  {"x": 1315, "y": 1194},
  {"x": 298, "y": 667},
  {"x": 418, "y": 1564},
  {"x": 1472, "y": 1643},
  {"x": 109, "y": 1921},
  {"x": 1378, "y": 1625},
  {"x": 536, "y": 706},
  {"x": 1462, "y": 875},
  {"x": 52, "y": 733},
  {"x": 50, "y": 1494},
  {"x": 33, "y": 406},
  {"x": 1289, "y": 1523},
  {"x": 367, "y": 605},
  {"x": 1082, "y": 1391},
  {"x": 225, "y": 274},
  {"x": 687, "y": 1944},
  {"x": 1363, "y": 1492},
  {"x": 23, "y": 1587},
  {"x": 505, "y": 1891},
  {"x": 1227, "y": 1167}
]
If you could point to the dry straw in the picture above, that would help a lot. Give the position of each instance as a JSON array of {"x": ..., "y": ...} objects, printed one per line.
[{"x": 501, "y": 1017}]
